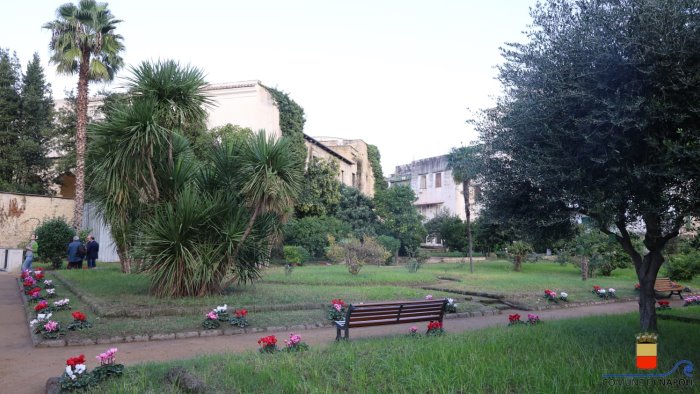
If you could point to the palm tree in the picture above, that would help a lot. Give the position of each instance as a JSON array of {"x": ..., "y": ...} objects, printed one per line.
[
  {"x": 83, "y": 41},
  {"x": 464, "y": 163},
  {"x": 177, "y": 92}
]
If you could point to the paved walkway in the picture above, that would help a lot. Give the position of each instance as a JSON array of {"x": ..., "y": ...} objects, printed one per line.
[{"x": 24, "y": 368}]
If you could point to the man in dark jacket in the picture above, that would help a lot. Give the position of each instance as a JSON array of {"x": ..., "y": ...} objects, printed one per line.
[
  {"x": 92, "y": 248},
  {"x": 75, "y": 258}
]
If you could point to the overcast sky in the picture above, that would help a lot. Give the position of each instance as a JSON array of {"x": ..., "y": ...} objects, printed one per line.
[{"x": 402, "y": 75}]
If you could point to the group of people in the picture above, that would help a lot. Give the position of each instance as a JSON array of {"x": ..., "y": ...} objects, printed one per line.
[{"x": 77, "y": 252}]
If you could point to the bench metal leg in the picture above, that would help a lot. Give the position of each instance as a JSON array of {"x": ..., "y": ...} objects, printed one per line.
[
  {"x": 337, "y": 333},
  {"x": 347, "y": 333}
]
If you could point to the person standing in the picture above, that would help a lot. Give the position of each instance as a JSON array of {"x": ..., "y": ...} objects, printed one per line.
[
  {"x": 92, "y": 249},
  {"x": 31, "y": 248},
  {"x": 75, "y": 258}
]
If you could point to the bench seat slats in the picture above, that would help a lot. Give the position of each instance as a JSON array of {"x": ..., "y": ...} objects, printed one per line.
[{"x": 664, "y": 284}]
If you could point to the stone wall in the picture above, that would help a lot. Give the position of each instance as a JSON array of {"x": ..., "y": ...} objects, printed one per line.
[{"x": 20, "y": 214}]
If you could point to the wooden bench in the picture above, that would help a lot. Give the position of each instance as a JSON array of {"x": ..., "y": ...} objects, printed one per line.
[
  {"x": 665, "y": 284},
  {"x": 385, "y": 313}
]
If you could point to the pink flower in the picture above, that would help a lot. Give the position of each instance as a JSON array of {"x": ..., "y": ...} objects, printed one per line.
[
  {"x": 429, "y": 297},
  {"x": 414, "y": 329},
  {"x": 51, "y": 326},
  {"x": 294, "y": 339},
  {"x": 212, "y": 315},
  {"x": 337, "y": 307}
]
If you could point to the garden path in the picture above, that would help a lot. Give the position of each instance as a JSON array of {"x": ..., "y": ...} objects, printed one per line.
[{"x": 24, "y": 368}]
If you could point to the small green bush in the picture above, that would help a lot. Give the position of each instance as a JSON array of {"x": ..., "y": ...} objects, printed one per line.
[
  {"x": 683, "y": 266},
  {"x": 391, "y": 244},
  {"x": 53, "y": 237},
  {"x": 296, "y": 254},
  {"x": 355, "y": 253}
]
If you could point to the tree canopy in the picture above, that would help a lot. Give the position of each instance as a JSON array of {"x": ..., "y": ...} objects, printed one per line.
[{"x": 600, "y": 117}]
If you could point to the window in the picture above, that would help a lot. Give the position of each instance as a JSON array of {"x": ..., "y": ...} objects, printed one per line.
[
  {"x": 422, "y": 182},
  {"x": 353, "y": 180},
  {"x": 438, "y": 179}
]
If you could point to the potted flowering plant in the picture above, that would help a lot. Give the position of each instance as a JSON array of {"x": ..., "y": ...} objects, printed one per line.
[
  {"x": 51, "y": 293},
  {"x": 42, "y": 307},
  {"x": 75, "y": 376},
  {"x": 222, "y": 312},
  {"x": 211, "y": 321},
  {"x": 38, "y": 275},
  {"x": 294, "y": 344},
  {"x": 48, "y": 284},
  {"x": 108, "y": 367},
  {"x": 533, "y": 319},
  {"x": 28, "y": 284},
  {"x": 413, "y": 331},
  {"x": 451, "y": 307},
  {"x": 692, "y": 300},
  {"x": 435, "y": 329},
  {"x": 239, "y": 318},
  {"x": 596, "y": 289},
  {"x": 564, "y": 296},
  {"x": 51, "y": 330},
  {"x": 637, "y": 287},
  {"x": 35, "y": 294},
  {"x": 37, "y": 324},
  {"x": 514, "y": 320},
  {"x": 79, "y": 321},
  {"x": 663, "y": 305},
  {"x": 61, "y": 304},
  {"x": 337, "y": 310},
  {"x": 550, "y": 296},
  {"x": 611, "y": 293},
  {"x": 268, "y": 344}
]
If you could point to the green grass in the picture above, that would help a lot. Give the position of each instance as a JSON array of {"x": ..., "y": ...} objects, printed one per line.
[
  {"x": 692, "y": 312},
  {"x": 338, "y": 275},
  {"x": 556, "y": 357}
]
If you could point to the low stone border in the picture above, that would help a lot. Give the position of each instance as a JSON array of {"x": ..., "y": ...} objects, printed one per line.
[
  {"x": 104, "y": 311},
  {"x": 28, "y": 314},
  {"x": 525, "y": 307}
]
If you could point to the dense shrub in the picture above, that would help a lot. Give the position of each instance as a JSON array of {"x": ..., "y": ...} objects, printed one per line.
[
  {"x": 53, "y": 238},
  {"x": 356, "y": 253},
  {"x": 683, "y": 266},
  {"x": 392, "y": 245},
  {"x": 296, "y": 254},
  {"x": 312, "y": 233}
]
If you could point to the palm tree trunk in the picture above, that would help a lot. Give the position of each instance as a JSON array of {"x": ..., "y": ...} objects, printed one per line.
[
  {"x": 81, "y": 139},
  {"x": 467, "y": 211}
]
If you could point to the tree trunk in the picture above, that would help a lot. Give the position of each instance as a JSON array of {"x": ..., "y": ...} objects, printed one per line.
[
  {"x": 467, "y": 211},
  {"x": 584, "y": 267},
  {"x": 81, "y": 139},
  {"x": 518, "y": 263},
  {"x": 646, "y": 273},
  {"x": 124, "y": 259}
]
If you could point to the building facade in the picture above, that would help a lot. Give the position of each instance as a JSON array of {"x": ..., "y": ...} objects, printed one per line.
[{"x": 432, "y": 181}]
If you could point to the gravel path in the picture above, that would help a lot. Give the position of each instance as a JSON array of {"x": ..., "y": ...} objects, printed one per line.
[{"x": 24, "y": 368}]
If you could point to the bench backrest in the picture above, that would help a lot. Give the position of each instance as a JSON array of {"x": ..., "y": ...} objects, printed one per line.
[
  {"x": 665, "y": 283},
  {"x": 376, "y": 314}
]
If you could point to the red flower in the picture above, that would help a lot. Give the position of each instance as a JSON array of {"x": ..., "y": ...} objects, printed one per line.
[
  {"x": 267, "y": 341},
  {"x": 77, "y": 315},
  {"x": 434, "y": 325},
  {"x": 514, "y": 318},
  {"x": 240, "y": 313},
  {"x": 637, "y": 286},
  {"x": 28, "y": 283},
  {"x": 25, "y": 274},
  {"x": 35, "y": 292},
  {"x": 663, "y": 303},
  {"x": 338, "y": 301},
  {"x": 39, "y": 275},
  {"x": 40, "y": 306},
  {"x": 73, "y": 361},
  {"x": 596, "y": 288}
]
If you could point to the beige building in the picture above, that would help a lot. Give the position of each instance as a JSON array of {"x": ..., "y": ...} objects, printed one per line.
[{"x": 352, "y": 158}]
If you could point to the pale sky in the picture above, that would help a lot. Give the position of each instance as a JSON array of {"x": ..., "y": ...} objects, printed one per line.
[{"x": 402, "y": 75}]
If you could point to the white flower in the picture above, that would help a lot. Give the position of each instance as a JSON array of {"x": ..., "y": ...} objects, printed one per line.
[
  {"x": 69, "y": 372},
  {"x": 450, "y": 301},
  {"x": 33, "y": 323},
  {"x": 50, "y": 291},
  {"x": 79, "y": 368},
  {"x": 564, "y": 294},
  {"x": 611, "y": 290},
  {"x": 221, "y": 308},
  {"x": 601, "y": 291}
]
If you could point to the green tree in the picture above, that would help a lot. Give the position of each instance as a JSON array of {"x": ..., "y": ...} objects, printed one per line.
[
  {"x": 600, "y": 119},
  {"x": 399, "y": 217},
  {"x": 519, "y": 250},
  {"x": 450, "y": 229},
  {"x": 321, "y": 189},
  {"x": 53, "y": 236},
  {"x": 35, "y": 123},
  {"x": 491, "y": 235},
  {"x": 10, "y": 103},
  {"x": 357, "y": 210},
  {"x": 313, "y": 232},
  {"x": 291, "y": 120},
  {"x": 83, "y": 40},
  {"x": 465, "y": 163}
]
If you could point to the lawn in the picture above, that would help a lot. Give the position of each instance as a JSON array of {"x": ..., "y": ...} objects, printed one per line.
[{"x": 568, "y": 356}]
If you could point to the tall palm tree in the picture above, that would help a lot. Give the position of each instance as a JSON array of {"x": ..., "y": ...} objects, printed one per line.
[
  {"x": 83, "y": 40},
  {"x": 464, "y": 163}
]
